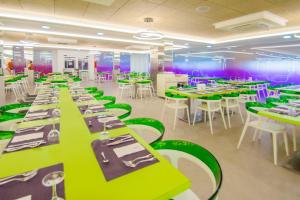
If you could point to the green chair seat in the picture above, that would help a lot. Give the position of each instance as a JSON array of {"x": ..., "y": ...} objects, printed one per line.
[
  {"x": 212, "y": 97},
  {"x": 236, "y": 94},
  {"x": 4, "y": 135},
  {"x": 175, "y": 96},
  {"x": 124, "y": 106},
  {"x": 76, "y": 79},
  {"x": 250, "y": 106},
  {"x": 150, "y": 123},
  {"x": 94, "y": 89},
  {"x": 6, "y": 116},
  {"x": 274, "y": 101},
  {"x": 110, "y": 99},
  {"x": 176, "y": 149},
  {"x": 144, "y": 82},
  {"x": 59, "y": 81},
  {"x": 14, "y": 106},
  {"x": 97, "y": 94},
  {"x": 249, "y": 92}
]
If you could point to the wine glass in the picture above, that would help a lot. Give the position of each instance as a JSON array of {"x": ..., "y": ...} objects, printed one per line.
[
  {"x": 51, "y": 180},
  {"x": 104, "y": 134}
]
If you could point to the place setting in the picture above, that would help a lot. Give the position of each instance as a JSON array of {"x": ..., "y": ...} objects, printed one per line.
[
  {"x": 121, "y": 155},
  {"x": 103, "y": 122},
  {"x": 42, "y": 114},
  {"x": 39, "y": 184},
  {"x": 92, "y": 108},
  {"x": 285, "y": 110},
  {"x": 32, "y": 137}
]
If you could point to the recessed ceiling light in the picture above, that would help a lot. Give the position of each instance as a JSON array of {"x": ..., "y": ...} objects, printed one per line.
[
  {"x": 186, "y": 44},
  {"x": 203, "y": 9},
  {"x": 99, "y": 33},
  {"x": 46, "y": 27},
  {"x": 296, "y": 36},
  {"x": 208, "y": 46},
  {"x": 287, "y": 37}
]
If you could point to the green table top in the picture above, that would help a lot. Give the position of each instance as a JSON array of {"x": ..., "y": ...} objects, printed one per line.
[
  {"x": 190, "y": 92},
  {"x": 83, "y": 175},
  {"x": 294, "y": 89},
  {"x": 280, "y": 117},
  {"x": 234, "y": 82}
]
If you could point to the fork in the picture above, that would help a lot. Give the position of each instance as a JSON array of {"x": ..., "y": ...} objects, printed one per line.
[
  {"x": 30, "y": 129},
  {"x": 138, "y": 158},
  {"x": 133, "y": 165},
  {"x": 26, "y": 176},
  {"x": 31, "y": 145}
]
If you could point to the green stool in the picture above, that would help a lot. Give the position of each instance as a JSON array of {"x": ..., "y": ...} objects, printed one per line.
[
  {"x": 205, "y": 160},
  {"x": 125, "y": 107},
  {"x": 137, "y": 123}
]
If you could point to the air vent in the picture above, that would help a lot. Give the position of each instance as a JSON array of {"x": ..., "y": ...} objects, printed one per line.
[{"x": 257, "y": 21}]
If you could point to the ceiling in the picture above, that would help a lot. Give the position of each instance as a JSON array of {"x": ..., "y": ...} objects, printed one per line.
[{"x": 118, "y": 20}]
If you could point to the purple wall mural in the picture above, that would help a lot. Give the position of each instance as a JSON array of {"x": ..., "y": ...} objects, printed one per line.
[
  {"x": 104, "y": 62},
  {"x": 277, "y": 71},
  {"x": 124, "y": 62},
  {"x": 42, "y": 61},
  {"x": 18, "y": 59}
]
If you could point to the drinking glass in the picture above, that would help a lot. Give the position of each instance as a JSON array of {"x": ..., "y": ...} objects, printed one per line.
[{"x": 51, "y": 180}]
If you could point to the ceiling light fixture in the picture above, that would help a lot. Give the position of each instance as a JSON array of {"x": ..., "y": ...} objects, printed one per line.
[
  {"x": 296, "y": 36},
  {"x": 287, "y": 37},
  {"x": 209, "y": 46},
  {"x": 46, "y": 27},
  {"x": 99, "y": 33},
  {"x": 78, "y": 35},
  {"x": 148, "y": 34}
]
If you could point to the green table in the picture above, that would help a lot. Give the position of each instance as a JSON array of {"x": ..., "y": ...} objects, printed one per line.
[
  {"x": 83, "y": 175},
  {"x": 290, "y": 90},
  {"x": 191, "y": 92},
  {"x": 241, "y": 83}
]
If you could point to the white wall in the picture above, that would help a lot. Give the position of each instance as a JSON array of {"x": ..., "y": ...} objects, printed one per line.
[
  {"x": 58, "y": 62},
  {"x": 140, "y": 63}
]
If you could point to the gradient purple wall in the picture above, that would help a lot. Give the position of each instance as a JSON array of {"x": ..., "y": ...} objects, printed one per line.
[
  {"x": 104, "y": 62},
  {"x": 124, "y": 62},
  {"x": 276, "y": 71}
]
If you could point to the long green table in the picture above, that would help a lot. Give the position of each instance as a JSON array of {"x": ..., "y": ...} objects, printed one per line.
[
  {"x": 83, "y": 175},
  {"x": 191, "y": 92}
]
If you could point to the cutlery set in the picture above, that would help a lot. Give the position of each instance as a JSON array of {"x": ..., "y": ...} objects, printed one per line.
[
  {"x": 20, "y": 177},
  {"x": 120, "y": 141},
  {"x": 24, "y": 145}
]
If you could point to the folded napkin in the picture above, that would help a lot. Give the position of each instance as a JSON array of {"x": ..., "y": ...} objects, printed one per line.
[
  {"x": 128, "y": 149},
  {"x": 31, "y": 136}
]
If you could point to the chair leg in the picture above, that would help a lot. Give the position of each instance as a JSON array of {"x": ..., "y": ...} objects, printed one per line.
[
  {"x": 222, "y": 114},
  {"x": 275, "y": 148},
  {"x": 210, "y": 123},
  {"x": 254, "y": 135},
  {"x": 243, "y": 132},
  {"x": 175, "y": 118},
  {"x": 228, "y": 117},
  {"x": 195, "y": 116},
  {"x": 204, "y": 116},
  {"x": 294, "y": 138},
  {"x": 188, "y": 116},
  {"x": 285, "y": 140},
  {"x": 240, "y": 111}
]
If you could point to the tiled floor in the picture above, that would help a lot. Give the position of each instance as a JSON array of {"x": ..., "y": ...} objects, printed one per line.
[{"x": 248, "y": 173}]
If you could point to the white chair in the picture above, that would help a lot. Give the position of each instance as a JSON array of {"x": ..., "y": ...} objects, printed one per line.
[
  {"x": 263, "y": 125},
  {"x": 126, "y": 87},
  {"x": 176, "y": 103},
  {"x": 142, "y": 89},
  {"x": 210, "y": 106},
  {"x": 230, "y": 103}
]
